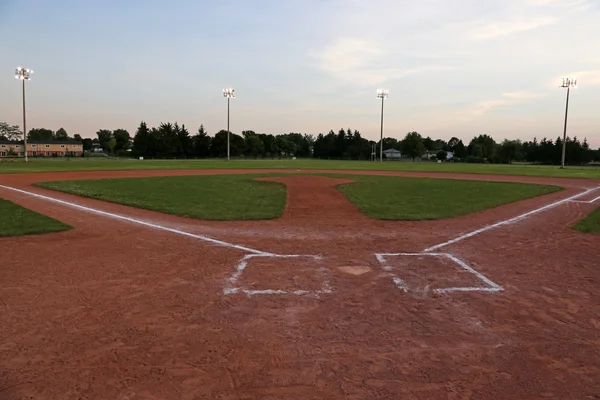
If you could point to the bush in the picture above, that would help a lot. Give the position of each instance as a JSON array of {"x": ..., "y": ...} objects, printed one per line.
[{"x": 475, "y": 160}]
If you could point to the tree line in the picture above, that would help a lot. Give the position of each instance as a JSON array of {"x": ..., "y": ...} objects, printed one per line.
[{"x": 171, "y": 140}]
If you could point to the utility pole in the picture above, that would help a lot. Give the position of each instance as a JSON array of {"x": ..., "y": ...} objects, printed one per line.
[
  {"x": 567, "y": 83},
  {"x": 382, "y": 94},
  {"x": 229, "y": 94},
  {"x": 24, "y": 74}
]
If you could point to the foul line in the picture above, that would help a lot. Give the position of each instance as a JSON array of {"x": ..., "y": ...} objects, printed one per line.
[
  {"x": 137, "y": 221},
  {"x": 506, "y": 222}
]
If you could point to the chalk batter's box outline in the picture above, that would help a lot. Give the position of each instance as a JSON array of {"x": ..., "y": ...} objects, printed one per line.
[
  {"x": 488, "y": 287},
  {"x": 232, "y": 285}
]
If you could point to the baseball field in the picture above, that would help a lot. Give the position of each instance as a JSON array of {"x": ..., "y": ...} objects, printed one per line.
[{"x": 298, "y": 279}]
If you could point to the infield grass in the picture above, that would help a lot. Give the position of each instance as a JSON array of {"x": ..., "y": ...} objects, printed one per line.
[
  {"x": 240, "y": 197},
  {"x": 590, "y": 224},
  {"x": 209, "y": 197},
  {"x": 18, "y": 221},
  {"x": 94, "y": 164},
  {"x": 413, "y": 199}
]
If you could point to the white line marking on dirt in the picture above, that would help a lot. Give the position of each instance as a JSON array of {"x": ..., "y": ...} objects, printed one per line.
[
  {"x": 506, "y": 222},
  {"x": 137, "y": 221},
  {"x": 492, "y": 286},
  {"x": 586, "y": 201},
  {"x": 232, "y": 286}
]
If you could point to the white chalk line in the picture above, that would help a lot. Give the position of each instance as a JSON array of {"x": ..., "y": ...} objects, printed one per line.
[
  {"x": 232, "y": 285},
  {"x": 400, "y": 284},
  {"x": 586, "y": 201},
  {"x": 506, "y": 222},
  {"x": 139, "y": 222},
  {"x": 241, "y": 266}
]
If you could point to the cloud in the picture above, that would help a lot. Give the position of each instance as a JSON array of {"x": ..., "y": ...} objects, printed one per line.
[
  {"x": 359, "y": 61},
  {"x": 506, "y": 99},
  {"x": 577, "y": 5},
  {"x": 504, "y": 28}
]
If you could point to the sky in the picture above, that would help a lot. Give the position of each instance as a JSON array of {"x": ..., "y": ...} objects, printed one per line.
[{"x": 452, "y": 67}]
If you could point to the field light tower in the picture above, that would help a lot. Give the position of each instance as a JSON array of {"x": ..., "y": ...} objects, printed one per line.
[
  {"x": 229, "y": 94},
  {"x": 567, "y": 83},
  {"x": 24, "y": 74},
  {"x": 382, "y": 94}
]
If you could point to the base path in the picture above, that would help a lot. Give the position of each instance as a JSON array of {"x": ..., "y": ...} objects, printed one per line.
[{"x": 135, "y": 309}]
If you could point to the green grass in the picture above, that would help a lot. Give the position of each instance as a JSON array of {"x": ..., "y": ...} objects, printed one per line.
[
  {"x": 590, "y": 224},
  {"x": 395, "y": 198},
  {"x": 240, "y": 197},
  {"x": 77, "y": 164},
  {"x": 18, "y": 221},
  {"x": 214, "y": 197}
]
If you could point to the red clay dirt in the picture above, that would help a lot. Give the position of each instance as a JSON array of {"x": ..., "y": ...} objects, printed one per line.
[{"x": 118, "y": 310}]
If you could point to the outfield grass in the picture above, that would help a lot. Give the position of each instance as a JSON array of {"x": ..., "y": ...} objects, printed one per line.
[
  {"x": 222, "y": 198},
  {"x": 77, "y": 164},
  {"x": 395, "y": 198},
  {"x": 590, "y": 224},
  {"x": 18, "y": 221}
]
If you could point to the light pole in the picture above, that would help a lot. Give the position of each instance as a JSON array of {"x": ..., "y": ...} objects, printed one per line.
[
  {"x": 382, "y": 94},
  {"x": 229, "y": 94},
  {"x": 24, "y": 74},
  {"x": 567, "y": 83}
]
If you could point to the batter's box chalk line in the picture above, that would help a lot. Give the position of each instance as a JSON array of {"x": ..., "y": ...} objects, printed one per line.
[
  {"x": 488, "y": 286},
  {"x": 233, "y": 286}
]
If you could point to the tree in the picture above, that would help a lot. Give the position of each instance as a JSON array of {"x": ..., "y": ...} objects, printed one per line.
[
  {"x": 142, "y": 145},
  {"x": 10, "y": 132},
  {"x": 122, "y": 139},
  {"x": 457, "y": 147},
  {"x": 61, "y": 135},
  {"x": 77, "y": 137},
  {"x": 253, "y": 145},
  {"x": 508, "y": 151},
  {"x": 87, "y": 144},
  {"x": 104, "y": 136},
  {"x": 442, "y": 155},
  {"x": 412, "y": 145},
  {"x": 41, "y": 134},
  {"x": 482, "y": 146},
  {"x": 201, "y": 143},
  {"x": 219, "y": 144},
  {"x": 428, "y": 143},
  {"x": 111, "y": 144},
  {"x": 184, "y": 140}
]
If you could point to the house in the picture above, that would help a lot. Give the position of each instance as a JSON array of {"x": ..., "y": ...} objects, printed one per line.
[
  {"x": 430, "y": 154},
  {"x": 97, "y": 148},
  {"x": 392, "y": 154},
  {"x": 38, "y": 148}
]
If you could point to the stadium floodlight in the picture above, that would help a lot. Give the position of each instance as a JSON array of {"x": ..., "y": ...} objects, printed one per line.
[
  {"x": 381, "y": 94},
  {"x": 24, "y": 74},
  {"x": 569, "y": 84},
  {"x": 229, "y": 94}
]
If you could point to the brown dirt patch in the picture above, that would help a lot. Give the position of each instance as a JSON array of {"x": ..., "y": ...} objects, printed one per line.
[{"x": 114, "y": 310}]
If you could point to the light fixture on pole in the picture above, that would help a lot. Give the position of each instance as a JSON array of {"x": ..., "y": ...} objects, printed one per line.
[
  {"x": 24, "y": 74},
  {"x": 381, "y": 94},
  {"x": 229, "y": 94},
  {"x": 567, "y": 83}
]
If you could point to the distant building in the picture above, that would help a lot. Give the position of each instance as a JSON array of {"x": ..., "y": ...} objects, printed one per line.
[
  {"x": 392, "y": 154},
  {"x": 97, "y": 148},
  {"x": 38, "y": 148}
]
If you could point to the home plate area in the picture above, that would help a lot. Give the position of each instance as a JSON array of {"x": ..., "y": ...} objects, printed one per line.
[
  {"x": 309, "y": 275},
  {"x": 304, "y": 275}
]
